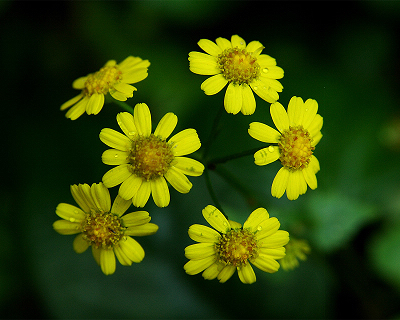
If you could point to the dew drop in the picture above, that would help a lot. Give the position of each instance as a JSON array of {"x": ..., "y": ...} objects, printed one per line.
[
  {"x": 255, "y": 88},
  {"x": 72, "y": 219},
  {"x": 306, "y": 110},
  {"x": 242, "y": 42},
  {"x": 116, "y": 156},
  {"x": 259, "y": 228},
  {"x": 76, "y": 211},
  {"x": 271, "y": 149},
  {"x": 265, "y": 70},
  {"x": 131, "y": 133}
]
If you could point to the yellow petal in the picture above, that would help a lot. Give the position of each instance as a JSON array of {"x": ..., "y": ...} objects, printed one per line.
[
  {"x": 266, "y": 156},
  {"x": 101, "y": 197},
  {"x": 193, "y": 267},
  {"x": 130, "y": 186},
  {"x": 254, "y": 48},
  {"x": 184, "y": 142},
  {"x": 95, "y": 103},
  {"x": 200, "y": 233},
  {"x": 226, "y": 273},
  {"x": 310, "y": 110},
  {"x": 280, "y": 183},
  {"x": 233, "y": 98},
  {"x": 178, "y": 180},
  {"x": 70, "y": 212},
  {"x": 114, "y": 157},
  {"x": 160, "y": 192},
  {"x": 263, "y": 133},
  {"x": 200, "y": 251},
  {"x": 136, "y": 218},
  {"x": 122, "y": 257},
  {"x": 143, "y": 230},
  {"x": 142, "y": 119},
  {"x": 80, "y": 245},
  {"x": 166, "y": 125},
  {"x": 71, "y": 102},
  {"x": 265, "y": 92},
  {"x": 116, "y": 175},
  {"x": 246, "y": 274},
  {"x": 132, "y": 249},
  {"x": 135, "y": 75},
  {"x": 248, "y": 100},
  {"x": 66, "y": 227},
  {"x": 295, "y": 111},
  {"x": 279, "y": 116},
  {"x": 293, "y": 186},
  {"x": 126, "y": 123},
  {"x": 142, "y": 195},
  {"x": 214, "y": 84},
  {"x": 238, "y": 42},
  {"x": 188, "y": 166},
  {"x": 216, "y": 219},
  {"x": 209, "y": 47},
  {"x": 120, "y": 205},
  {"x": 223, "y": 43},
  {"x": 310, "y": 177},
  {"x": 255, "y": 218},
  {"x": 266, "y": 263},
  {"x": 115, "y": 139},
  {"x": 78, "y": 109}
]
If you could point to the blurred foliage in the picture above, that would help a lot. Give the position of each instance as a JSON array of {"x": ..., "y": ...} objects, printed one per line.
[{"x": 343, "y": 54}]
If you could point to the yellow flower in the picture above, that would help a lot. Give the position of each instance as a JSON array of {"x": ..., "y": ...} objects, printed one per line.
[
  {"x": 103, "y": 226},
  {"x": 113, "y": 78},
  {"x": 295, "y": 249},
  {"x": 243, "y": 67},
  {"x": 299, "y": 133},
  {"x": 231, "y": 247},
  {"x": 144, "y": 159}
]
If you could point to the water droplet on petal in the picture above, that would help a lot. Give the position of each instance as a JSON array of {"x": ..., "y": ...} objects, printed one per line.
[
  {"x": 306, "y": 110},
  {"x": 76, "y": 211},
  {"x": 72, "y": 219},
  {"x": 259, "y": 228},
  {"x": 265, "y": 70},
  {"x": 255, "y": 88},
  {"x": 131, "y": 133},
  {"x": 116, "y": 155},
  {"x": 271, "y": 149}
]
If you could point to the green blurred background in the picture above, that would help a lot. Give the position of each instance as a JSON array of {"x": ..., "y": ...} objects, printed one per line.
[{"x": 343, "y": 54}]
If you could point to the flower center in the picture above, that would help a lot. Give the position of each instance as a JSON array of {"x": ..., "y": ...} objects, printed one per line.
[
  {"x": 295, "y": 148},
  {"x": 102, "y": 229},
  {"x": 150, "y": 157},
  {"x": 236, "y": 247},
  {"x": 102, "y": 81},
  {"x": 238, "y": 66}
]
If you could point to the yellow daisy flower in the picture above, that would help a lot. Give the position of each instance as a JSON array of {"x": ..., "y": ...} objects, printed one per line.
[
  {"x": 243, "y": 67},
  {"x": 295, "y": 249},
  {"x": 104, "y": 227},
  {"x": 113, "y": 78},
  {"x": 299, "y": 133},
  {"x": 144, "y": 159},
  {"x": 232, "y": 247}
]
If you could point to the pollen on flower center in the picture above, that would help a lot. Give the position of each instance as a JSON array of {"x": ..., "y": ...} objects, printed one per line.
[
  {"x": 238, "y": 66},
  {"x": 295, "y": 148},
  {"x": 102, "y": 80},
  {"x": 102, "y": 229},
  {"x": 236, "y": 247},
  {"x": 150, "y": 157}
]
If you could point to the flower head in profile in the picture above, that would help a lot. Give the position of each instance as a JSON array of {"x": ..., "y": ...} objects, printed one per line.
[
  {"x": 243, "y": 67},
  {"x": 113, "y": 78},
  {"x": 104, "y": 227},
  {"x": 145, "y": 161},
  {"x": 294, "y": 144},
  {"x": 231, "y": 247},
  {"x": 295, "y": 249}
]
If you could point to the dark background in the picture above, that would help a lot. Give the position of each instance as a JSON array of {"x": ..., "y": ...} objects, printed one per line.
[{"x": 343, "y": 54}]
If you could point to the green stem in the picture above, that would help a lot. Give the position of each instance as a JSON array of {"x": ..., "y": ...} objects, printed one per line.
[
  {"x": 213, "y": 162},
  {"x": 212, "y": 193},
  {"x": 124, "y": 106},
  {"x": 248, "y": 194},
  {"x": 213, "y": 132}
]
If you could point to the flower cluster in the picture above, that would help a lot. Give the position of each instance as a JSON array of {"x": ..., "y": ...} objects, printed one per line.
[{"x": 146, "y": 162}]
